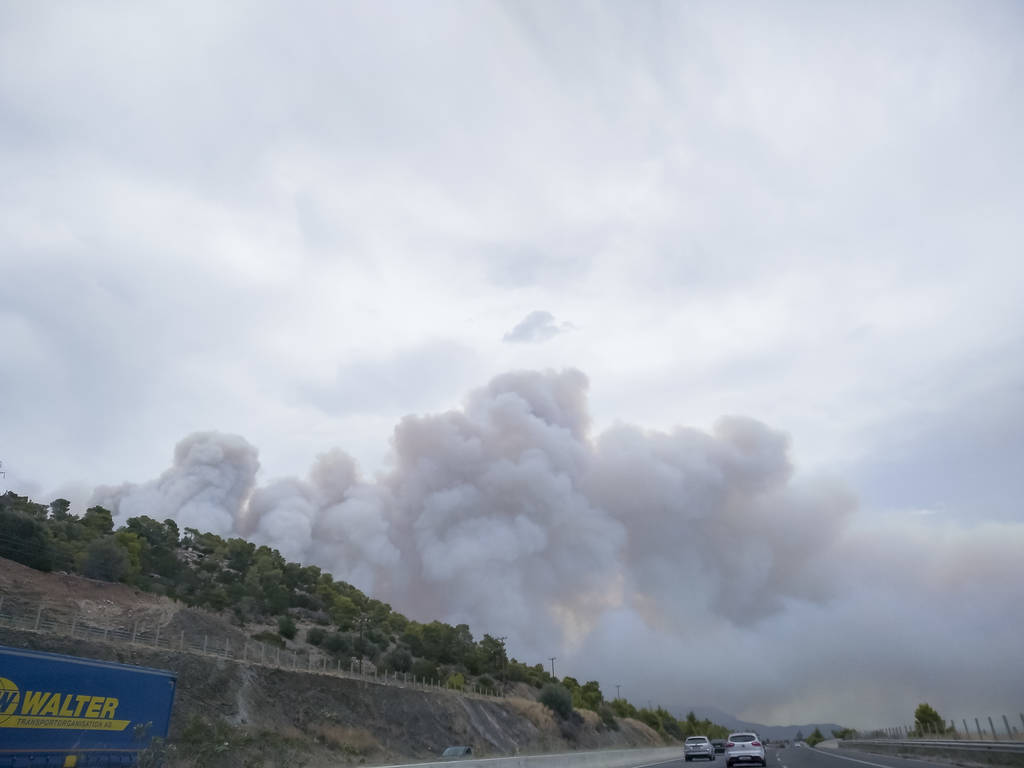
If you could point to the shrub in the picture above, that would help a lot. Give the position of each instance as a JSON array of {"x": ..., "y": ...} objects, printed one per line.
[
  {"x": 339, "y": 643},
  {"x": 398, "y": 660},
  {"x": 425, "y": 669},
  {"x": 485, "y": 681},
  {"x": 286, "y": 627},
  {"x": 270, "y": 638},
  {"x": 607, "y": 715},
  {"x": 456, "y": 681},
  {"x": 557, "y": 698},
  {"x": 315, "y": 635}
]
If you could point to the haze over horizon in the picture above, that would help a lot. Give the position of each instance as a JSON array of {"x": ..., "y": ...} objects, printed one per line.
[{"x": 696, "y": 329}]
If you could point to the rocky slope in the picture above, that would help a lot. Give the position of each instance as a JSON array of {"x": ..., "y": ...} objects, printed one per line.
[{"x": 230, "y": 713}]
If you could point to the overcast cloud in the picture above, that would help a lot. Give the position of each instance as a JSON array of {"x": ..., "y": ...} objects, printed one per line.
[{"x": 787, "y": 238}]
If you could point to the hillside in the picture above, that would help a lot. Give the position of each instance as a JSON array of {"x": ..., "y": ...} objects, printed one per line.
[
  {"x": 250, "y": 714},
  {"x": 771, "y": 732}
]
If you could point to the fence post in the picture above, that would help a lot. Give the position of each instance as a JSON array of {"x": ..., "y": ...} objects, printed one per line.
[
  {"x": 967, "y": 731},
  {"x": 992, "y": 729},
  {"x": 206, "y": 639},
  {"x": 977, "y": 725},
  {"x": 39, "y": 615},
  {"x": 156, "y": 640},
  {"x": 135, "y": 631},
  {"x": 1009, "y": 733},
  {"x": 227, "y": 647},
  {"x": 74, "y": 620}
]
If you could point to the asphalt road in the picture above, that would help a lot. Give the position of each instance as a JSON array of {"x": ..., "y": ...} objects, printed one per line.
[{"x": 805, "y": 757}]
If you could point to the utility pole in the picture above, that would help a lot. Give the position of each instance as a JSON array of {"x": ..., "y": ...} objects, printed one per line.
[{"x": 553, "y": 658}]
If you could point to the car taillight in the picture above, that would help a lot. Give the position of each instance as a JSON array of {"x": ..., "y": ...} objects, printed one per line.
[
  {"x": 755, "y": 743},
  {"x": 729, "y": 744}
]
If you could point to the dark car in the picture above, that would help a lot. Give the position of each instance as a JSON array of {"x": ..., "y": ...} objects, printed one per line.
[
  {"x": 454, "y": 753},
  {"x": 719, "y": 745}
]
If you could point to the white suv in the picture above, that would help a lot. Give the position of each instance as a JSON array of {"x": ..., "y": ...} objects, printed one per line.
[
  {"x": 698, "y": 746},
  {"x": 744, "y": 748}
]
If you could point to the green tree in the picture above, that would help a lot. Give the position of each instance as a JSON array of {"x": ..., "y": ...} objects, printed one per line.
[
  {"x": 133, "y": 547},
  {"x": 24, "y": 539},
  {"x": 815, "y": 738},
  {"x": 590, "y": 696},
  {"x": 557, "y": 698},
  {"x": 927, "y": 720},
  {"x": 623, "y": 708},
  {"x": 60, "y": 509},
  {"x": 98, "y": 521},
  {"x": 104, "y": 559},
  {"x": 25, "y": 505},
  {"x": 494, "y": 659}
]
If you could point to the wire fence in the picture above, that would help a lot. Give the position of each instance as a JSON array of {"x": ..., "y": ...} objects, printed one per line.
[
  {"x": 1001, "y": 728},
  {"x": 38, "y": 618}
]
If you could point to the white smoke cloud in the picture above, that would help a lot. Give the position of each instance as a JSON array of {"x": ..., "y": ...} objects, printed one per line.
[
  {"x": 659, "y": 557},
  {"x": 207, "y": 486}
]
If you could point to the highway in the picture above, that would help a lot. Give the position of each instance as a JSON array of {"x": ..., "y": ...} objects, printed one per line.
[{"x": 805, "y": 757}]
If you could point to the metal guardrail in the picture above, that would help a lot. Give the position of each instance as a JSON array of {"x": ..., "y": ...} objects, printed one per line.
[{"x": 939, "y": 744}]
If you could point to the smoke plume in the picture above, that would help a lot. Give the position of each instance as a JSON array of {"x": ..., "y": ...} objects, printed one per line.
[{"x": 510, "y": 515}]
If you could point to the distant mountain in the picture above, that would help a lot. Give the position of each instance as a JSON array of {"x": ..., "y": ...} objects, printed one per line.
[{"x": 770, "y": 732}]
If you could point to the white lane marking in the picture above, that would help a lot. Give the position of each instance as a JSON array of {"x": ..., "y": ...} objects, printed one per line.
[
  {"x": 852, "y": 759},
  {"x": 663, "y": 762}
]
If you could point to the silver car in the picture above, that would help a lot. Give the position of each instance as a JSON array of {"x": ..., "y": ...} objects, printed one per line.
[
  {"x": 744, "y": 747},
  {"x": 698, "y": 746}
]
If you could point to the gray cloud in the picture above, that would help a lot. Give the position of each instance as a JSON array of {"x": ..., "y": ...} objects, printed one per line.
[
  {"x": 536, "y": 327},
  {"x": 696, "y": 551}
]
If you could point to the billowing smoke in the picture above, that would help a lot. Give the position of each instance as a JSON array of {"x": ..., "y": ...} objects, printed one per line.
[
  {"x": 630, "y": 552},
  {"x": 207, "y": 487}
]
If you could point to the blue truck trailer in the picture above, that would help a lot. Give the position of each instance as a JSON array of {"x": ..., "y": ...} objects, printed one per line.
[{"x": 68, "y": 712}]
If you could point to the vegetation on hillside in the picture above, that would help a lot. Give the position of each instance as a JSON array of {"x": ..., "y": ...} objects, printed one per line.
[{"x": 258, "y": 586}]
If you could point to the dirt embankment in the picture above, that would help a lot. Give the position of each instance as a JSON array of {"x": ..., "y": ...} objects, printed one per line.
[{"x": 228, "y": 713}]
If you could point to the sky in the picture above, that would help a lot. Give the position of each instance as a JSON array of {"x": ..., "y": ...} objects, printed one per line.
[{"x": 680, "y": 341}]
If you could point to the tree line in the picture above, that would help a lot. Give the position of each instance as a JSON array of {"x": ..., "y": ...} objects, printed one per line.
[{"x": 258, "y": 586}]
